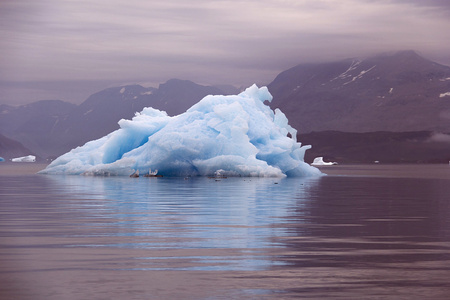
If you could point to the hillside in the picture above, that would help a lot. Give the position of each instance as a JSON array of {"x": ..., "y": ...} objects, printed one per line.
[
  {"x": 392, "y": 92},
  {"x": 10, "y": 148},
  {"x": 35, "y": 125}
]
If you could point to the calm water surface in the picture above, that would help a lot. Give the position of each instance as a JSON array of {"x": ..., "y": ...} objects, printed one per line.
[{"x": 362, "y": 232}]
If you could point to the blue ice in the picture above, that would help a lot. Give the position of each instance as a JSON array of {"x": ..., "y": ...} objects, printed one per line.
[{"x": 237, "y": 135}]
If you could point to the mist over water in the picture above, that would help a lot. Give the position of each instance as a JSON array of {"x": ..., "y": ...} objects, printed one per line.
[{"x": 371, "y": 236}]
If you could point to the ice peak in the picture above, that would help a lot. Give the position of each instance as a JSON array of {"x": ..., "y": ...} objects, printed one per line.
[{"x": 261, "y": 93}]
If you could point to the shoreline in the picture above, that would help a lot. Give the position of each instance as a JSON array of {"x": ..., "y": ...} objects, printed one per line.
[
  {"x": 437, "y": 171},
  {"x": 21, "y": 168},
  {"x": 432, "y": 171}
]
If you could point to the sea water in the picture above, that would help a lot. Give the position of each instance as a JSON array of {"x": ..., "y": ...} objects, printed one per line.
[{"x": 362, "y": 232}]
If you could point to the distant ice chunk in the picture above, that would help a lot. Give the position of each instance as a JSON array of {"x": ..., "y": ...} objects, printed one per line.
[
  {"x": 318, "y": 161},
  {"x": 1, "y": 159},
  {"x": 439, "y": 138},
  {"x": 444, "y": 95},
  {"x": 235, "y": 135},
  {"x": 28, "y": 158}
]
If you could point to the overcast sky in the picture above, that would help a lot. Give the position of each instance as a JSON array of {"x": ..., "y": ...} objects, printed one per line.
[{"x": 69, "y": 49}]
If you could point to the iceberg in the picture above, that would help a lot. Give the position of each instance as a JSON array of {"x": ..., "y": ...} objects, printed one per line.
[
  {"x": 28, "y": 158},
  {"x": 1, "y": 159},
  {"x": 235, "y": 135},
  {"x": 318, "y": 161}
]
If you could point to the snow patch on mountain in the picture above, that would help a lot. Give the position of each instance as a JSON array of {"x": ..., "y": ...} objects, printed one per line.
[
  {"x": 354, "y": 64},
  {"x": 360, "y": 75}
]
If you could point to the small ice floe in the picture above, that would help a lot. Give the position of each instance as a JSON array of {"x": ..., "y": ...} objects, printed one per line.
[
  {"x": 219, "y": 174},
  {"x": 28, "y": 158},
  {"x": 318, "y": 161},
  {"x": 1, "y": 159},
  {"x": 152, "y": 174}
]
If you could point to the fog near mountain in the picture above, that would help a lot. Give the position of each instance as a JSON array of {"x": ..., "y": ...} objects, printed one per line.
[{"x": 81, "y": 44}]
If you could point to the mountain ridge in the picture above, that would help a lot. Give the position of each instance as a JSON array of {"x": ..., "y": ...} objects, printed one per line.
[{"x": 357, "y": 95}]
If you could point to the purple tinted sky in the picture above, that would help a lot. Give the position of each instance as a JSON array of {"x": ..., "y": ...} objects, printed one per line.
[{"x": 69, "y": 49}]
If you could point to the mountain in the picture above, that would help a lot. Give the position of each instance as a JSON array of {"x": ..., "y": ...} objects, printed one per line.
[
  {"x": 52, "y": 128},
  {"x": 396, "y": 92},
  {"x": 10, "y": 148},
  {"x": 35, "y": 125}
]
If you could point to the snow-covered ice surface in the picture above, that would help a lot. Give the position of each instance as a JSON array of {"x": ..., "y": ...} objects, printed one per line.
[
  {"x": 318, "y": 161},
  {"x": 28, "y": 158},
  {"x": 234, "y": 135}
]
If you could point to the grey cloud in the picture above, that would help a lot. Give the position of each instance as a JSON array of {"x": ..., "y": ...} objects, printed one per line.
[
  {"x": 237, "y": 42},
  {"x": 445, "y": 4}
]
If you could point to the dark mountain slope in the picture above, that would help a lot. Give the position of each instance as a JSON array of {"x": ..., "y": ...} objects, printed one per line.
[
  {"x": 35, "y": 125},
  {"x": 391, "y": 92},
  {"x": 10, "y": 148}
]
